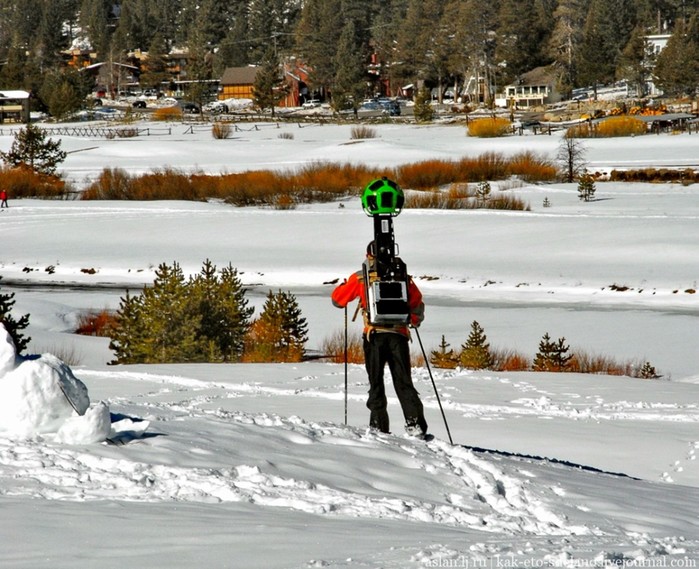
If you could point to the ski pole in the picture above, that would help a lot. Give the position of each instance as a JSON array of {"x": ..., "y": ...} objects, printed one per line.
[
  {"x": 345, "y": 365},
  {"x": 429, "y": 371}
]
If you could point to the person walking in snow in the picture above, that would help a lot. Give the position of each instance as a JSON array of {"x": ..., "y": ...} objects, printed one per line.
[
  {"x": 387, "y": 344},
  {"x": 3, "y": 199}
]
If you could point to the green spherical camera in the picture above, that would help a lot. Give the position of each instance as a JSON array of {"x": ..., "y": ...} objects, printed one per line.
[{"x": 382, "y": 197}]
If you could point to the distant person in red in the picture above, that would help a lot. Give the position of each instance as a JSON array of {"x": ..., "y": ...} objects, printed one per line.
[
  {"x": 387, "y": 345},
  {"x": 3, "y": 199}
]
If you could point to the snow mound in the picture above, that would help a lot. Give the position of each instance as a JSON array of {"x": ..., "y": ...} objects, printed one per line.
[{"x": 40, "y": 395}]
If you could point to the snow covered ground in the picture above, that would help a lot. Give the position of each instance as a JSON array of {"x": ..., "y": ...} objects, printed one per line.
[{"x": 237, "y": 466}]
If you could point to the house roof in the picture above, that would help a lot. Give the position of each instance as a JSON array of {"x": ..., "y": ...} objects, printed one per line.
[
  {"x": 239, "y": 75},
  {"x": 538, "y": 76},
  {"x": 667, "y": 117},
  {"x": 14, "y": 94}
]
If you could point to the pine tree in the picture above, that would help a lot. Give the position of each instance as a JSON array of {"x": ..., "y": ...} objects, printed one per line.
[
  {"x": 648, "y": 372},
  {"x": 219, "y": 300},
  {"x": 127, "y": 336},
  {"x": 552, "y": 356},
  {"x": 475, "y": 352},
  {"x": 677, "y": 66},
  {"x": 172, "y": 326},
  {"x": 156, "y": 65},
  {"x": 483, "y": 192},
  {"x": 607, "y": 29},
  {"x": 566, "y": 39},
  {"x": 94, "y": 21},
  {"x": 349, "y": 87},
  {"x": 280, "y": 333},
  {"x": 586, "y": 187},
  {"x": 31, "y": 149},
  {"x": 444, "y": 358},
  {"x": 269, "y": 87},
  {"x": 422, "y": 109},
  {"x": 13, "y": 326},
  {"x": 317, "y": 36}
]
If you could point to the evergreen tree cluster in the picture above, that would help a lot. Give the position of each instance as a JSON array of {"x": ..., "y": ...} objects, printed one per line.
[
  {"x": 438, "y": 43},
  {"x": 205, "y": 318},
  {"x": 552, "y": 356},
  {"x": 475, "y": 352}
]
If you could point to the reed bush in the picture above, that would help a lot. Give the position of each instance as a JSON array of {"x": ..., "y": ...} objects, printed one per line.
[
  {"x": 428, "y": 174},
  {"x": 509, "y": 360},
  {"x": 484, "y": 167},
  {"x": 457, "y": 196},
  {"x": 363, "y": 132},
  {"x": 532, "y": 167},
  {"x": 585, "y": 362},
  {"x": 111, "y": 184},
  {"x": 582, "y": 130},
  {"x": 490, "y": 127},
  {"x": 221, "y": 130},
  {"x": 165, "y": 184}
]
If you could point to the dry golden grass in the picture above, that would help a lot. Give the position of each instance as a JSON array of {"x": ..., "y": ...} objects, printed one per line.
[
  {"x": 167, "y": 114},
  {"x": 621, "y": 126},
  {"x": 611, "y": 127},
  {"x": 491, "y": 127}
]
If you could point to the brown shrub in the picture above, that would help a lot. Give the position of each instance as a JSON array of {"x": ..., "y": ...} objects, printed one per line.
[
  {"x": 334, "y": 348},
  {"x": 509, "y": 360},
  {"x": 585, "y": 362},
  {"x": 23, "y": 182},
  {"x": 95, "y": 323},
  {"x": 221, "y": 130},
  {"x": 507, "y": 202},
  {"x": 262, "y": 345}
]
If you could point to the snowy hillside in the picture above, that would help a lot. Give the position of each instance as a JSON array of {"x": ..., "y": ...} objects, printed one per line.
[{"x": 240, "y": 466}]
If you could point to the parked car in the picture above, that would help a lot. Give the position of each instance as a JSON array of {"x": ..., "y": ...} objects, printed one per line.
[
  {"x": 311, "y": 104},
  {"x": 391, "y": 108},
  {"x": 191, "y": 108}
]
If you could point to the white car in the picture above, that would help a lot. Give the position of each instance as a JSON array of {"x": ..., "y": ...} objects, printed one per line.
[{"x": 312, "y": 104}]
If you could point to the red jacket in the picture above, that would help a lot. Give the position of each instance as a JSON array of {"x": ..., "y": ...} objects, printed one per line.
[{"x": 354, "y": 288}]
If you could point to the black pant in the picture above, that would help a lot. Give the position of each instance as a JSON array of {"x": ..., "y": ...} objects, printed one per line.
[{"x": 382, "y": 348}]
